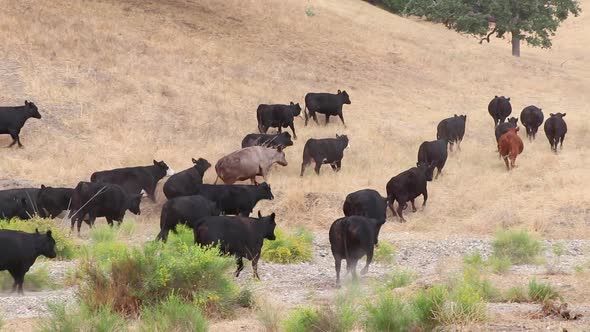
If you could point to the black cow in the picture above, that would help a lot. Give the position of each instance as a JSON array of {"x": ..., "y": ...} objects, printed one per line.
[
  {"x": 434, "y": 152},
  {"x": 555, "y": 130},
  {"x": 272, "y": 141},
  {"x": 184, "y": 183},
  {"x": 186, "y": 210},
  {"x": 499, "y": 109},
  {"x": 53, "y": 201},
  {"x": 238, "y": 236},
  {"x": 531, "y": 118},
  {"x": 325, "y": 103},
  {"x": 20, "y": 202},
  {"x": 13, "y": 118},
  {"x": 452, "y": 129},
  {"x": 367, "y": 203},
  {"x": 277, "y": 116},
  {"x": 102, "y": 200},
  {"x": 351, "y": 238},
  {"x": 20, "y": 251},
  {"x": 324, "y": 151},
  {"x": 503, "y": 127},
  {"x": 408, "y": 185},
  {"x": 136, "y": 179},
  {"x": 235, "y": 198}
]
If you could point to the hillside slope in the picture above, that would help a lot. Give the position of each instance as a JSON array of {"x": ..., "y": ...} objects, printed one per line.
[{"x": 120, "y": 83}]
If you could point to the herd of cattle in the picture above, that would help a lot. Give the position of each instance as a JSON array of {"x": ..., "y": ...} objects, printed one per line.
[{"x": 208, "y": 208}]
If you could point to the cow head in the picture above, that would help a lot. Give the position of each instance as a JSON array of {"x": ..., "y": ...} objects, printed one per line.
[
  {"x": 45, "y": 244},
  {"x": 296, "y": 109},
  {"x": 133, "y": 202},
  {"x": 285, "y": 139},
  {"x": 269, "y": 225},
  {"x": 201, "y": 165},
  {"x": 513, "y": 121},
  {"x": 279, "y": 157},
  {"x": 161, "y": 164},
  {"x": 266, "y": 193},
  {"x": 344, "y": 96},
  {"x": 427, "y": 169},
  {"x": 343, "y": 139},
  {"x": 32, "y": 110},
  {"x": 557, "y": 115}
]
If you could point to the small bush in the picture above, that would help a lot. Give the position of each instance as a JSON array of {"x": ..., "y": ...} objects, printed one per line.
[
  {"x": 474, "y": 259},
  {"x": 541, "y": 292},
  {"x": 245, "y": 298},
  {"x": 390, "y": 313},
  {"x": 103, "y": 233},
  {"x": 496, "y": 264},
  {"x": 517, "y": 295},
  {"x": 288, "y": 248},
  {"x": 465, "y": 305},
  {"x": 302, "y": 319},
  {"x": 269, "y": 316},
  {"x": 35, "y": 280},
  {"x": 384, "y": 253},
  {"x": 399, "y": 279},
  {"x": 64, "y": 245},
  {"x": 428, "y": 304},
  {"x": 83, "y": 319},
  {"x": 518, "y": 246},
  {"x": 172, "y": 315},
  {"x": 499, "y": 265}
]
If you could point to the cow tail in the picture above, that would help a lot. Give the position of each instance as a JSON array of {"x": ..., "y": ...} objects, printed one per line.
[{"x": 217, "y": 178}]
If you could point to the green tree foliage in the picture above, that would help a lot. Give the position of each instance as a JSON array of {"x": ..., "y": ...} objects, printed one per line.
[{"x": 534, "y": 21}]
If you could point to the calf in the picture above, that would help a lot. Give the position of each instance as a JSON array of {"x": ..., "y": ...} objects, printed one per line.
[
  {"x": 499, "y": 109},
  {"x": 324, "y": 151},
  {"x": 351, "y": 238},
  {"x": 510, "y": 146},
  {"x": 235, "y": 199},
  {"x": 20, "y": 251},
  {"x": 367, "y": 203},
  {"x": 325, "y": 103},
  {"x": 503, "y": 127},
  {"x": 237, "y": 236},
  {"x": 185, "y": 182},
  {"x": 186, "y": 210},
  {"x": 434, "y": 152},
  {"x": 53, "y": 201},
  {"x": 277, "y": 116},
  {"x": 281, "y": 140},
  {"x": 13, "y": 118},
  {"x": 20, "y": 203},
  {"x": 102, "y": 200},
  {"x": 247, "y": 163},
  {"x": 452, "y": 129},
  {"x": 136, "y": 179},
  {"x": 531, "y": 118},
  {"x": 408, "y": 185},
  {"x": 555, "y": 130}
]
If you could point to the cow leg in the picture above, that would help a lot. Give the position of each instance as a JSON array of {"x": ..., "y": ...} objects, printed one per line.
[
  {"x": 390, "y": 204},
  {"x": 338, "y": 165},
  {"x": 351, "y": 266},
  {"x": 337, "y": 266},
  {"x": 413, "y": 206},
  {"x": 292, "y": 126},
  {"x": 342, "y": 119},
  {"x": 561, "y": 142},
  {"x": 506, "y": 161},
  {"x": 14, "y": 137},
  {"x": 303, "y": 165},
  {"x": 240, "y": 264},
  {"x": 425, "y": 196},
  {"x": 20, "y": 146},
  {"x": 369, "y": 260},
  {"x": 451, "y": 145},
  {"x": 327, "y": 119},
  {"x": 14, "y": 276},
  {"x": 255, "y": 266},
  {"x": 110, "y": 221},
  {"x": 306, "y": 116},
  {"x": 315, "y": 118},
  {"x": 400, "y": 207},
  {"x": 318, "y": 164},
  {"x": 459, "y": 145},
  {"x": 438, "y": 171},
  {"x": 20, "y": 279}
]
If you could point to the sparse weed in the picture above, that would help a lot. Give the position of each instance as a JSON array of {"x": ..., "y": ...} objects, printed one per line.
[
  {"x": 128, "y": 227},
  {"x": 518, "y": 246},
  {"x": 268, "y": 315},
  {"x": 474, "y": 259},
  {"x": 172, "y": 314},
  {"x": 245, "y": 298},
  {"x": 103, "y": 233},
  {"x": 288, "y": 248},
  {"x": 499, "y": 265},
  {"x": 302, "y": 319},
  {"x": 399, "y": 279},
  {"x": 516, "y": 294},
  {"x": 390, "y": 313},
  {"x": 384, "y": 253},
  {"x": 428, "y": 305},
  {"x": 541, "y": 292}
]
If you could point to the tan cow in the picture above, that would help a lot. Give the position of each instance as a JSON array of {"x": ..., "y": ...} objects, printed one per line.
[{"x": 247, "y": 163}]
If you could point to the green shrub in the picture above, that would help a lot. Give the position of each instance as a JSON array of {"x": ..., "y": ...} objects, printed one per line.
[
  {"x": 428, "y": 304},
  {"x": 343, "y": 315},
  {"x": 499, "y": 265},
  {"x": 64, "y": 245},
  {"x": 288, "y": 248},
  {"x": 245, "y": 298},
  {"x": 390, "y": 313},
  {"x": 103, "y": 253},
  {"x": 541, "y": 292},
  {"x": 474, "y": 279},
  {"x": 396, "y": 6},
  {"x": 82, "y": 319},
  {"x": 496, "y": 264},
  {"x": 384, "y": 253},
  {"x": 103, "y": 233},
  {"x": 35, "y": 280},
  {"x": 518, "y": 246},
  {"x": 172, "y": 314},
  {"x": 465, "y": 305},
  {"x": 516, "y": 294},
  {"x": 399, "y": 279},
  {"x": 474, "y": 259},
  {"x": 302, "y": 319}
]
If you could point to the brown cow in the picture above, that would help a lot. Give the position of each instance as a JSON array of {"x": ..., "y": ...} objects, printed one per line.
[
  {"x": 247, "y": 163},
  {"x": 510, "y": 146}
]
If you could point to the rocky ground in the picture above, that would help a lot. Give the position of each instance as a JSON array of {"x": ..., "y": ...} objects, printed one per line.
[{"x": 430, "y": 260}]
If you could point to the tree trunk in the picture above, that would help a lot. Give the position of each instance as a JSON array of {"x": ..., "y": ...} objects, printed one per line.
[{"x": 516, "y": 43}]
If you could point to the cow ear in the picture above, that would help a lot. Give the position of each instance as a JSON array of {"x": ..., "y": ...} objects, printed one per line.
[
  {"x": 292, "y": 103},
  {"x": 508, "y": 98},
  {"x": 48, "y": 233},
  {"x": 551, "y": 114},
  {"x": 339, "y": 92},
  {"x": 495, "y": 97},
  {"x": 155, "y": 162},
  {"x": 272, "y": 216},
  {"x": 26, "y": 102},
  {"x": 36, "y": 231},
  {"x": 194, "y": 161},
  {"x": 563, "y": 115},
  {"x": 43, "y": 186},
  {"x": 259, "y": 214}
]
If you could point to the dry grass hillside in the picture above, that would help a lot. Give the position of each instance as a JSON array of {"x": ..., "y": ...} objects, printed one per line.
[{"x": 120, "y": 83}]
